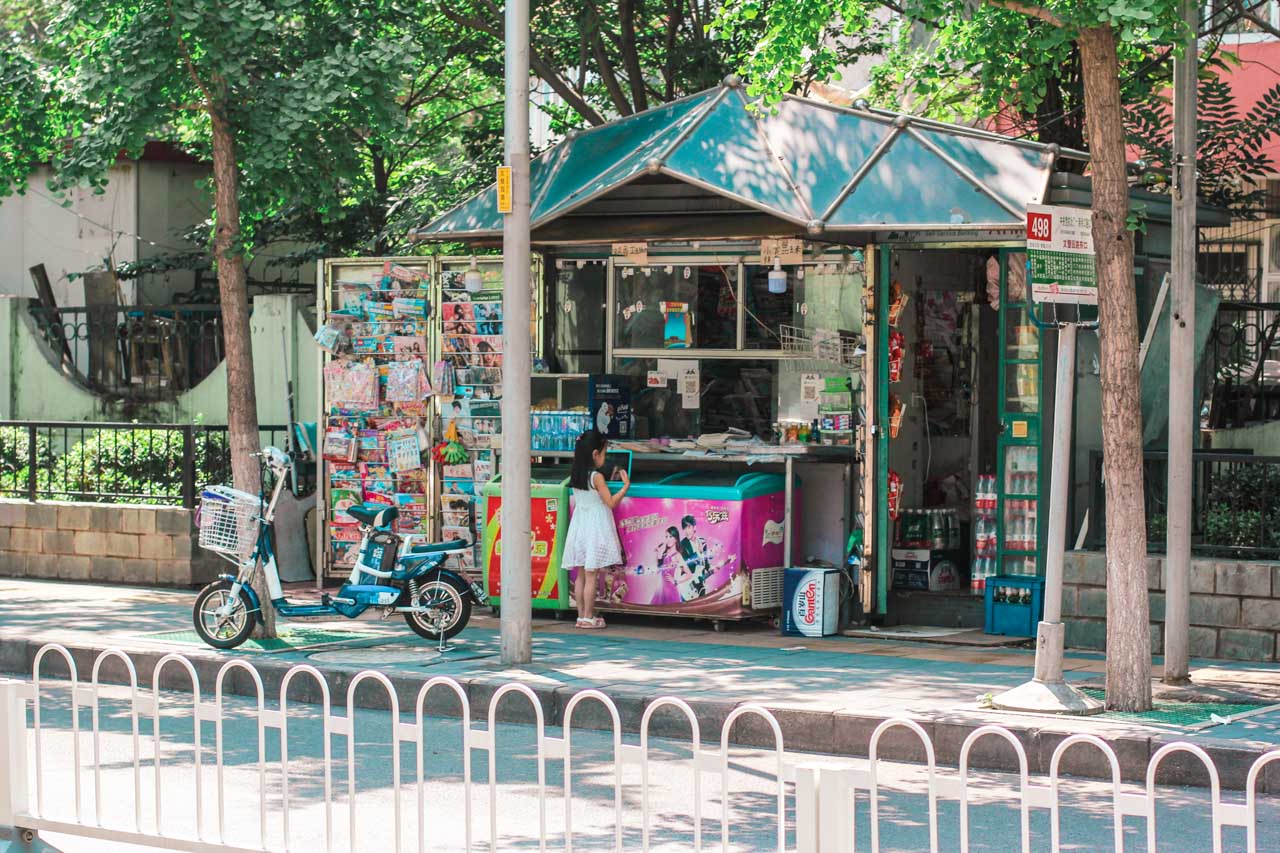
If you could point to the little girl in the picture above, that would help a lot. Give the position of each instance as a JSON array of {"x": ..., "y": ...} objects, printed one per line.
[{"x": 592, "y": 541}]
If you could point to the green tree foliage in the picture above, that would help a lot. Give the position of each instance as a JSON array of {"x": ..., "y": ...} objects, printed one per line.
[{"x": 608, "y": 58}]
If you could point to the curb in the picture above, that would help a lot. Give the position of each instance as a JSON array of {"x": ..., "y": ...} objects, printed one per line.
[{"x": 803, "y": 729}]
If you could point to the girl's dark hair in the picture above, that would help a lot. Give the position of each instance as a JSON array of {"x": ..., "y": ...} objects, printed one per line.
[
  {"x": 674, "y": 533},
  {"x": 588, "y": 443}
]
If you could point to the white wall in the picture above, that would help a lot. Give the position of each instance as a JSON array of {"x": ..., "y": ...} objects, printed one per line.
[
  {"x": 35, "y": 228},
  {"x": 170, "y": 201}
]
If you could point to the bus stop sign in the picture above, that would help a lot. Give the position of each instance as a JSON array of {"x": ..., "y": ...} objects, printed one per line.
[{"x": 1060, "y": 259}]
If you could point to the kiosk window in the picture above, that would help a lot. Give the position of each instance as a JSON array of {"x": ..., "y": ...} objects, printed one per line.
[
  {"x": 578, "y": 320},
  {"x": 822, "y": 297},
  {"x": 738, "y": 393},
  {"x": 689, "y": 307}
]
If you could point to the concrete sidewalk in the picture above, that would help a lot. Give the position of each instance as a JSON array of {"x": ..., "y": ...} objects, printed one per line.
[{"x": 828, "y": 694}]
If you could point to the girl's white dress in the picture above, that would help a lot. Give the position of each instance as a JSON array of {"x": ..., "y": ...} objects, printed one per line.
[{"x": 592, "y": 540}]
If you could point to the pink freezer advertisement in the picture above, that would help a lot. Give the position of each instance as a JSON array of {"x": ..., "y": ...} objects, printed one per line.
[{"x": 692, "y": 556}]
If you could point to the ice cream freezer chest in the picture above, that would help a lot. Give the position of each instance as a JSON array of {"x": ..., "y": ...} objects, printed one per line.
[{"x": 701, "y": 544}]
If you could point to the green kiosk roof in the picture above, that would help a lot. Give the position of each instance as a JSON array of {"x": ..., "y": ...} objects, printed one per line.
[{"x": 707, "y": 165}]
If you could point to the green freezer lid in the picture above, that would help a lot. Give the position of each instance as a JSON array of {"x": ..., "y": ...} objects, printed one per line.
[{"x": 709, "y": 485}]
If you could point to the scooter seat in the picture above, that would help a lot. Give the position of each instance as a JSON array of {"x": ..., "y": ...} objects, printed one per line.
[
  {"x": 439, "y": 547},
  {"x": 374, "y": 515}
]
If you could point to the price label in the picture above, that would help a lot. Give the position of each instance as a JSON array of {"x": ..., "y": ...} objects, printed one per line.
[{"x": 504, "y": 189}]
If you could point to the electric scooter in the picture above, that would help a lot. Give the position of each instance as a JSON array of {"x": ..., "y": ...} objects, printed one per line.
[{"x": 435, "y": 601}]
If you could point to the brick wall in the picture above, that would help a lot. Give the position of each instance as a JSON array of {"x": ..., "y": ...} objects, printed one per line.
[
  {"x": 1235, "y": 606},
  {"x": 102, "y": 542}
]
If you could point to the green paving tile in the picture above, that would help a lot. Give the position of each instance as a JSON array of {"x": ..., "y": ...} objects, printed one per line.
[
  {"x": 1180, "y": 714},
  {"x": 288, "y": 639}
]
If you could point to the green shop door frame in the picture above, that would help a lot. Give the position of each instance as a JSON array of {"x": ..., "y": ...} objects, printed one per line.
[
  {"x": 880, "y": 288},
  {"x": 1022, "y": 360},
  {"x": 1021, "y": 473}
]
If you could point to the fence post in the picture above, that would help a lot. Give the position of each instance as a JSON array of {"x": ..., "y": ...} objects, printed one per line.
[
  {"x": 824, "y": 809},
  {"x": 31, "y": 462},
  {"x": 188, "y": 466},
  {"x": 14, "y": 797}
]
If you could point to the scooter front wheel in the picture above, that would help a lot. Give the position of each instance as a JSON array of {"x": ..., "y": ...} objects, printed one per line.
[
  {"x": 221, "y": 620},
  {"x": 448, "y": 604}
]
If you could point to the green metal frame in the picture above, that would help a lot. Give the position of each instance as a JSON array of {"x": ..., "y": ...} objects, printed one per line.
[
  {"x": 883, "y": 275},
  {"x": 1034, "y": 427}
]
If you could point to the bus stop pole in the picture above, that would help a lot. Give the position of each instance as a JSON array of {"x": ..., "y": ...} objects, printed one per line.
[{"x": 517, "y": 605}]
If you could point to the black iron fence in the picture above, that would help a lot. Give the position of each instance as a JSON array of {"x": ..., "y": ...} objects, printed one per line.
[
  {"x": 150, "y": 352},
  {"x": 164, "y": 464},
  {"x": 1235, "y": 503},
  {"x": 1243, "y": 360}
]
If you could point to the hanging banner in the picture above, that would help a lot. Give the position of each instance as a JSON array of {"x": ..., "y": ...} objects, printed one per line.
[{"x": 1060, "y": 255}]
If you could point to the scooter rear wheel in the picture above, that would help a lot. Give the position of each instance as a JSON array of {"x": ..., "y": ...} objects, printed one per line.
[
  {"x": 450, "y": 611},
  {"x": 223, "y": 631}
]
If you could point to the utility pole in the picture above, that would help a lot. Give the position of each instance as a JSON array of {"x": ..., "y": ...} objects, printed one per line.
[
  {"x": 517, "y": 542},
  {"x": 1182, "y": 324}
]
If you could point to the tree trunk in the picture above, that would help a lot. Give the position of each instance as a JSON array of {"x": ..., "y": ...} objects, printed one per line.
[
  {"x": 630, "y": 54},
  {"x": 1128, "y": 634},
  {"x": 233, "y": 292},
  {"x": 381, "y": 189}
]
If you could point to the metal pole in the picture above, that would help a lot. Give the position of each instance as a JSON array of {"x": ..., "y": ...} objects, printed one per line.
[
  {"x": 1060, "y": 473},
  {"x": 517, "y": 604},
  {"x": 1047, "y": 692},
  {"x": 1182, "y": 323}
]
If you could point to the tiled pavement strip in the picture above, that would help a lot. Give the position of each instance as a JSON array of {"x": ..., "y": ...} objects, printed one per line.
[{"x": 828, "y": 694}]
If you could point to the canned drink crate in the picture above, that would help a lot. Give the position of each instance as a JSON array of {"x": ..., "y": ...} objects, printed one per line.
[{"x": 229, "y": 521}]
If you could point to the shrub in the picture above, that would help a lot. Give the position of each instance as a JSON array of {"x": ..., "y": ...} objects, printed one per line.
[
  {"x": 1243, "y": 507},
  {"x": 15, "y": 447},
  {"x": 136, "y": 466}
]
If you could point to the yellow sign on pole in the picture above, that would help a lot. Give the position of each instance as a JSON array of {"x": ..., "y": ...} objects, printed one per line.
[{"x": 504, "y": 189}]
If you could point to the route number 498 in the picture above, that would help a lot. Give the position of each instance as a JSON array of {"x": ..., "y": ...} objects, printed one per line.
[{"x": 1039, "y": 226}]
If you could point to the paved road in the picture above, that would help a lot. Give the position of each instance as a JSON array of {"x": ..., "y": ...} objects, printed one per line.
[{"x": 1183, "y": 817}]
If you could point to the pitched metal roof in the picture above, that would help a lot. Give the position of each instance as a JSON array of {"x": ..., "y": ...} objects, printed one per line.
[{"x": 808, "y": 165}]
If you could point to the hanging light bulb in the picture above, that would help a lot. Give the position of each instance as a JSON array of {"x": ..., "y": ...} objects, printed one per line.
[
  {"x": 777, "y": 278},
  {"x": 687, "y": 272},
  {"x": 800, "y": 274},
  {"x": 473, "y": 281}
]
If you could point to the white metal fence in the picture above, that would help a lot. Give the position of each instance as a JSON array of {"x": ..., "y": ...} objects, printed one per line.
[{"x": 812, "y": 798}]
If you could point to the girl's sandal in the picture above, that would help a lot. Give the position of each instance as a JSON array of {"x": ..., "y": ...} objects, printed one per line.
[
  {"x": 598, "y": 622},
  {"x": 585, "y": 623}
]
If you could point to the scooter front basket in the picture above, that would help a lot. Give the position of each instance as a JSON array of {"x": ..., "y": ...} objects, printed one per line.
[{"x": 229, "y": 521}]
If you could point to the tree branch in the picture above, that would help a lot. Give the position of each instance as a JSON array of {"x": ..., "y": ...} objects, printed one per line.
[
  {"x": 541, "y": 67},
  {"x": 1031, "y": 10},
  {"x": 1250, "y": 15},
  {"x": 187, "y": 60},
  {"x": 604, "y": 66}
]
